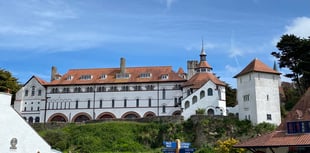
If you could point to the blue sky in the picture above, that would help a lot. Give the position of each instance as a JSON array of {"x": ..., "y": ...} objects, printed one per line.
[{"x": 36, "y": 35}]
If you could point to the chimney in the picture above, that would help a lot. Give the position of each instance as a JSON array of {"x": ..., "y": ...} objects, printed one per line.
[
  {"x": 53, "y": 73},
  {"x": 123, "y": 65}
]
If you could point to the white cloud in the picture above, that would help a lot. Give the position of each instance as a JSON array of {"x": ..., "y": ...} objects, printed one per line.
[
  {"x": 232, "y": 69},
  {"x": 300, "y": 27}
]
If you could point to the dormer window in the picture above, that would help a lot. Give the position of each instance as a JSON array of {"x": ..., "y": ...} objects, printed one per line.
[
  {"x": 70, "y": 77},
  {"x": 145, "y": 75},
  {"x": 103, "y": 76},
  {"x": 86, "y": 77},
  {"x": 164, "y": 77},
  {"x": 122, "y": 76}
]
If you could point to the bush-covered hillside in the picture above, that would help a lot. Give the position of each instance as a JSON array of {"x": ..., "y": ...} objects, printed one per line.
[{"x": 121, "y": 136}]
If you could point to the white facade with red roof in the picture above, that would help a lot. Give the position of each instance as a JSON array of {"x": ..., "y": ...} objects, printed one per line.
[
  {"x": 258, "y": 93},
  {"x": 122, "y": 92},
  {"x": 30, "y": 99},
  {"x": 203, "y": 91}
]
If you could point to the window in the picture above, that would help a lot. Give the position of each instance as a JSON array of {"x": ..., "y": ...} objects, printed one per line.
[
  {"x": 194, "y": 99},
  {"x": 202, "y": 94},
  {"x": 164, "y": 108},
  {"x": 86, "y": 77},
  {"x": 150, "y": 102},
  {"x": 37, "y": 119},
  {"x": 70, "y": 77},
  {"x": 101, "y": 89},
  {"x": 125, "y": 102},
  {"x": 88, "y": 104},
  {"x": 137, "y": 88},
  {"x": 269, "y": 117},
  {"x": 38, "y": 108},
  {"x": 210, "y": 92},
  {"x": 113, "y": 88},
  {"x": 164, "y": 93},
  {"x": 103, "y": 76},
  {"x": 33, "y": 90},
  {"x": 39, "y": 92},
  {"x": 149, "y": 87},
  {"x": 137, "y": 102},
  {"x": 26, "y": 92},
  {"x": 267, "y": 97},
  {"x": 66, "y": 90},
  {"x": 145, "y": 75},
  {"x": 249, "y": 76},
  {"x": 77, "y": 89},
  {"x": 246, "y": 97},
  {"x": 122, "y": 75},
  {"x": 186, "y": 104},
  {"x": 89, "y": 89},
  {"x": 100, "y": 103},
  {"x": 125, "y": 88},
  {"x": 76, "y": 104},
  {"x": 54, "y": 90},
  {"x": 31, "y": 108},
  {"x": 25, "y": 109},
  {"x": 164, "y": 77},
  {"x": 113, "y": 103},
  {"x": 175, "y": 101}
]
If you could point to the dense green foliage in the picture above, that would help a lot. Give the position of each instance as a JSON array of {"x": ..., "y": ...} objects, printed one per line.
[
  {"x": 123, "y": 136},
  {"x": 8, "y": 82},
  {"x": 294, "y": 54}
]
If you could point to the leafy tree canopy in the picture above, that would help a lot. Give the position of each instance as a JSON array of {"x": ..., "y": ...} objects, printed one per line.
[
  {"x": 294, "y": 54},
  {"x": 8, "y": 82}
]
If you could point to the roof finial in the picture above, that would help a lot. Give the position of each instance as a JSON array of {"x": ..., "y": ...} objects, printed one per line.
[
  {"x": 202, "y": 47},
  {"x": 275, "y": 66}
]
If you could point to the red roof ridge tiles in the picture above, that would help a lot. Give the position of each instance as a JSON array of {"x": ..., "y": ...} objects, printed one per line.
[
  {"x": 199, "y": 79},
  {"x": 256, "y": 66},
  {"x": 135, "y": 72}
]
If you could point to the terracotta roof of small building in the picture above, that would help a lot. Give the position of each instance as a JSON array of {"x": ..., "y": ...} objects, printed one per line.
[
  {"x": 181, "y": 71},
  {"x": 155, "y": 74},
  {"x": 204, "y": 64},
  {"x": 199, "y": 79},
  {"x": 300, "y": 112},
  {"x": 256, "y": 66}
]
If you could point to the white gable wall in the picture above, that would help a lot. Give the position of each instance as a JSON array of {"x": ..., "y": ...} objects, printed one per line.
[
  {"x": 13, "y": 126},
  {"x": 216, "y": 102}
]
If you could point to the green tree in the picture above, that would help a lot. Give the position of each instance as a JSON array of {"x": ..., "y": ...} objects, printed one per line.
[
  {"x": 294, "y": 54},
  {"x": 231, "y": 96},
  {"x": 8, "y": 82}
]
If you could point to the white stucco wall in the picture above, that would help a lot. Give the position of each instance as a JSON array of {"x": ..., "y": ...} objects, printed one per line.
[
  {"x": 29, "y": 106},
  {"x": 65, "y": 100},
  {"x": 263, "y": 92},
  {"x": 14, "y": 126},
  {"x": 216, "y": 102}
]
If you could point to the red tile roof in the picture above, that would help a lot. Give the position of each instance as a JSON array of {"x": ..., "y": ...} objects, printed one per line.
[
  {"x": 199, "y": 79},
  {"x": 300, "y": 112},
  {"x": 204, "y": 64},
  {"x": 256, "y": 66},
  {"x": 276, "y": 139},
  {"x": 135, "y": 72}
]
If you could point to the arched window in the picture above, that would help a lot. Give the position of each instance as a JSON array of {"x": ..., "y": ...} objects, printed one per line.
[
  {"x": 37, "y": 119},
  {"x": 186, "y": 104},
  {"x": 194, "y": 99},
  {"x": 164, "y": 108},
  {"x": 210, "y": 112},
  {"x": 30, "y": 119},
  {"x": 210, "y": 92},
  {"x": 33, "y": 90},
  {"x": 164, "y": 93},
  {"x": 202, "y": 94},
  {"x": 88, "y": 104}
]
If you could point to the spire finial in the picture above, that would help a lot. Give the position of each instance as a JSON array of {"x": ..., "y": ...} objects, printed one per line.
[{"x": 202, "y": 47}]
